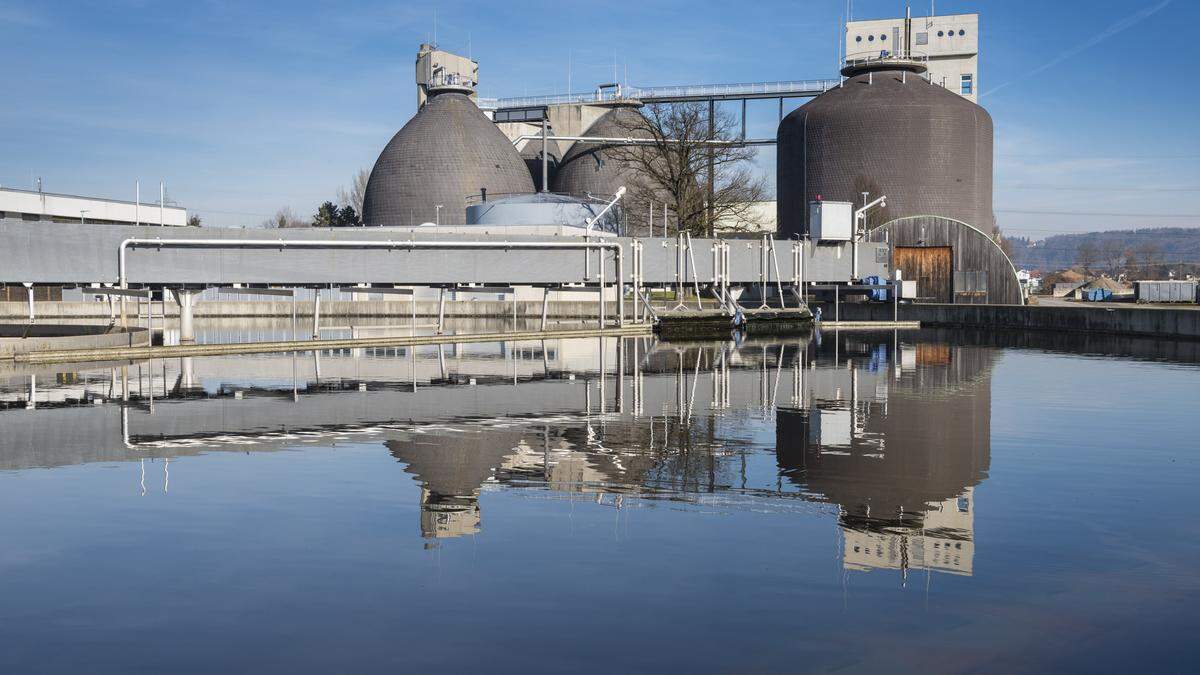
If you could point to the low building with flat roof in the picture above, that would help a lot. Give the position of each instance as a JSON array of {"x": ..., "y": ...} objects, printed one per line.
[{"x": 31, "y": 205}]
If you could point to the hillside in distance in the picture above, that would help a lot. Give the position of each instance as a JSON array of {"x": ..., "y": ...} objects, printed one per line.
[{"x": 1160, "y": 245}]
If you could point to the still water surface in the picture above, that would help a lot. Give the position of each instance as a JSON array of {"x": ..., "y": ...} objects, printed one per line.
[{"x": 856, "y": 502}]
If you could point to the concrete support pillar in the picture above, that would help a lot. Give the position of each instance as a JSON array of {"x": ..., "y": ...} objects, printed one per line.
[
  {"x": 29, "y": 294},
  {"x": 187, "y": 331},
  {"x": 316, "y": 323},
  {"x": 441, "y": 310},
  {"x": 187, "y": 373}
]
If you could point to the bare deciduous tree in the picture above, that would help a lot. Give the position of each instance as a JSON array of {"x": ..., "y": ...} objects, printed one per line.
[
  {"x": 284, "y": 217},
  {"x": 672, "y": 166},
  {"x": 1149, "y": 256},
  {"x": 354, "y": 196},
  {"x": 1113, "y": 254},
  {"x": 1086, "y": 254}
]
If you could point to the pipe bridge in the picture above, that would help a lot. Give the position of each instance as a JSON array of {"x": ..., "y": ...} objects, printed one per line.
[
  {"x": 125, "y": 259},
  {"x": 73, "y": 254}
]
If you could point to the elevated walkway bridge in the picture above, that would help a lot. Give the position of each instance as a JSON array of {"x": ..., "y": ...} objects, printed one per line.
[
  {"x": 532, "y": 109},
  {"x": 670, "y": 94},
  {"x": 190, "y": 260}
]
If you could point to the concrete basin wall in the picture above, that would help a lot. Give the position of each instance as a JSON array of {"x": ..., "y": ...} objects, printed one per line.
[
  {"x": 1143, "y": 321},
  {"x": 24, "y": 338},
  {"x": 17, "y": 311}
]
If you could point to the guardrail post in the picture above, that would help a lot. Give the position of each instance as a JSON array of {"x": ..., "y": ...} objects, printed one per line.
[
  {"x": 691, "y": 252},
  {"x": 601, "y": 280},
  {"x": 620, "y": 255},
  {"x": 635, "y": 262},
  {"x": 763, "y": 273}
]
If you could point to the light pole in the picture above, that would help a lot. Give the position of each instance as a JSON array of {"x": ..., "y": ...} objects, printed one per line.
[{"x": 81, "y": 212}]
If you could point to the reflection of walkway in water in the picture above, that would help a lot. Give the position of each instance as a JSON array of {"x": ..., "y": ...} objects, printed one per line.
[{"x": 893, "y": 434}]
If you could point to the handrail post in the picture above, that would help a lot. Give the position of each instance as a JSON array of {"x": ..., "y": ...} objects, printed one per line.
[
  {"x": 695, "y": 273},
  {"x": 620, "y": 255},
  {"x": 601, "y": 280}
]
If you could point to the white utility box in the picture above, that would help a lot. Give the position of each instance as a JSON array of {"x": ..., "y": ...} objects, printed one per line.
[
  {"x": 831, "y": 221},
  {"x": 908, "y": 289}
]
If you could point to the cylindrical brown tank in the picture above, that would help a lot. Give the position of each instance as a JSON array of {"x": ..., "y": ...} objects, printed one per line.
[
  {"x": 890, "y": 132},
  {"x": 448, "y": 151}
]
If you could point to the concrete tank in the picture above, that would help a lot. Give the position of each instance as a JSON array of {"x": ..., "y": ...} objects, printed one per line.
[
  {"x": 448, "y": 151},
  {"x": 590, "y": 169},
  {"x": 543, "y": 208},
  {"x": 887, "y": 131},
  {"x": 531, "y": 154}
]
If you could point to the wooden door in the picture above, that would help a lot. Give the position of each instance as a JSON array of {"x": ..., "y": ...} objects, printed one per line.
[{"x": 930, "y": 267}]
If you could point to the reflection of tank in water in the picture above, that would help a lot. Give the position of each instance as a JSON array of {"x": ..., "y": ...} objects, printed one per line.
[
  {"x": 452, "y": 468},
  {"x": 901, "y": 473}
]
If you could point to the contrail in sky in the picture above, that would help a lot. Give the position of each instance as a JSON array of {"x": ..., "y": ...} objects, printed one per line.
[{"x": 1127, "y": 22}]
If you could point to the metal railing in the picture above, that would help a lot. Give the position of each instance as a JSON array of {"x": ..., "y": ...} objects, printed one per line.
[
  {"x": 796, "y": 88},
  {"x": 884, "y": 56}
]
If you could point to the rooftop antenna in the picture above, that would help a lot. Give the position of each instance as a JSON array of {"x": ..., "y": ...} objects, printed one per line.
[
  {"x": 843, "y": 38},
  {"x": 435, "y": 26}
]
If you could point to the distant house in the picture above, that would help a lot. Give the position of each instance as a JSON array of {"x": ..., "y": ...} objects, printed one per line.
[{"x": 1031, "y": 281}]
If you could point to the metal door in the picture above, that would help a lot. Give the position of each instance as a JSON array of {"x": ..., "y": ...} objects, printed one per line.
[{"x": 930, "y": 267}]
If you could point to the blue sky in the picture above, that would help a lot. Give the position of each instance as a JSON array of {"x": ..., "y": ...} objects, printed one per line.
[{"x": 247, "y": 107}]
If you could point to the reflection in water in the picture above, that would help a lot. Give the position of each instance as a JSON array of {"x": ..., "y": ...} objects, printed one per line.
[
  {"x": 898, "y": 450},
  {"x": 895, "y": 434},
  {"x": 417, "y": 508}
]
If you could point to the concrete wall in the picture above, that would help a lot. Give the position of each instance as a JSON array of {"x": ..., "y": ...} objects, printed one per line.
[
  {"x": 1148, "y": 322},
  {"x": 950, "y": 55},
  {"x": 19, "y": 311},
  {"x": 573, "y": 120},
  {"x": 48, "y": 337}
]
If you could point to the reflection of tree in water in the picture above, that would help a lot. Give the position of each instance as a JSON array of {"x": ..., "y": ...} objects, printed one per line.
[{"x": 900, "y": 462}]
